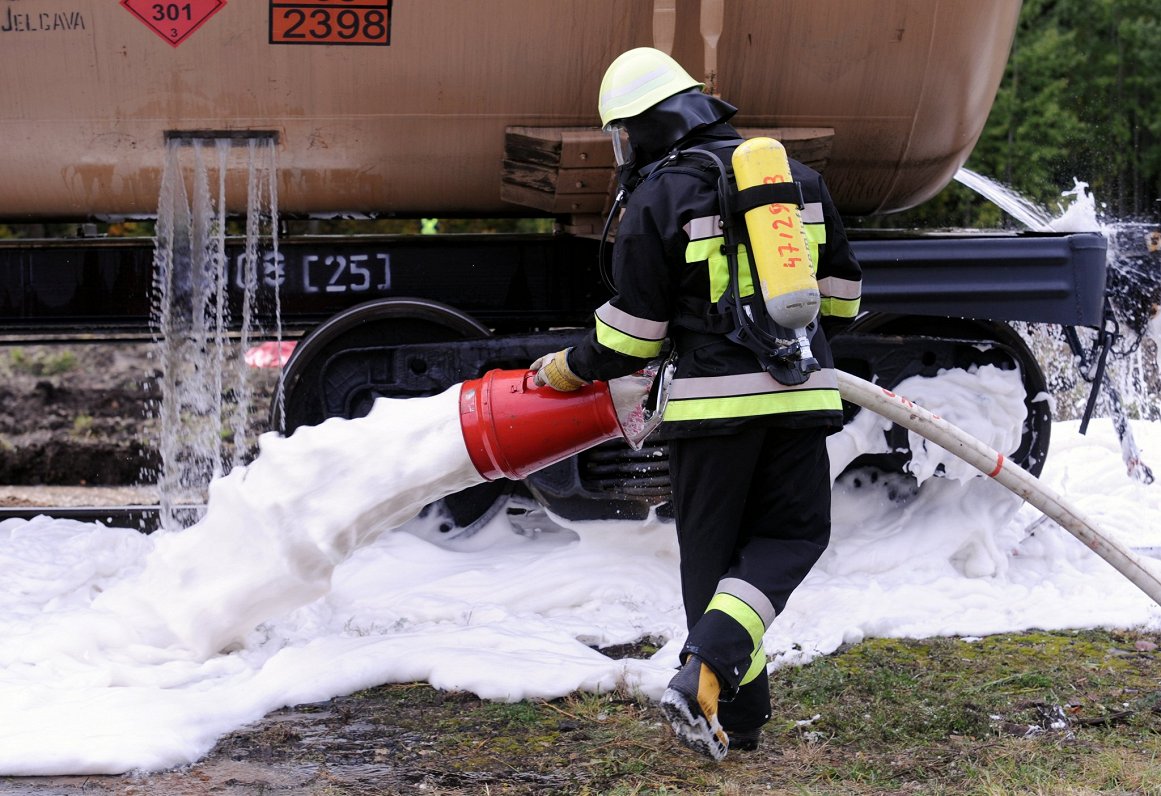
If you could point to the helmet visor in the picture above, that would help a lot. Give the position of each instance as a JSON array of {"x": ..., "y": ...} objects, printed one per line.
[{"x": 622, "y": 146}]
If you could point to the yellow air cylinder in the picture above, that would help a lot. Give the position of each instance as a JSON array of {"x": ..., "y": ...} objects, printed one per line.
[{"x": 777, "y": 237}]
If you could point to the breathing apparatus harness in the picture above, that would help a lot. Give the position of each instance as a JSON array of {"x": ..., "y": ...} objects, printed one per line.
[{"x": 783, "y": 353}]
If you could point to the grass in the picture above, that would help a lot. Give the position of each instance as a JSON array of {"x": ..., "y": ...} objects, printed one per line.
[
  {"x": 1036, "y": 713},
  {"x": 1032, "y": 713},
  {"x": 53, "y": 362},
  {"x": 82, "y": 425}
]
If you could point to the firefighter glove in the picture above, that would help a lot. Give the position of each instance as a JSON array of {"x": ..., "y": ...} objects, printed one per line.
[{"x": 553, "y": 370}]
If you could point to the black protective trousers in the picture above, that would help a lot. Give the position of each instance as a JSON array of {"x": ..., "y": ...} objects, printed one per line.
[{"x": 752, "y": 505}]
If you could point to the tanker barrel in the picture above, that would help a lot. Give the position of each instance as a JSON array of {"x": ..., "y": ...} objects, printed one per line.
[{"x": 371, "y": 118}]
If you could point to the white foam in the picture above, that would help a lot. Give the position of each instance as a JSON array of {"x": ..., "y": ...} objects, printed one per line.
[{"x": 122, "y": 652}]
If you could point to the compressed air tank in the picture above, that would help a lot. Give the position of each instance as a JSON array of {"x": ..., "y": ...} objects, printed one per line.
[
  {"x": 779, "y": 247},
  {"x": 404, "y": 107}
]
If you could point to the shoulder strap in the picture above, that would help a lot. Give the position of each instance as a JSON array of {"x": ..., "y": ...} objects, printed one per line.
[
  {"x": 752, "y": 327},
  {"x": 769, "y": 193}
]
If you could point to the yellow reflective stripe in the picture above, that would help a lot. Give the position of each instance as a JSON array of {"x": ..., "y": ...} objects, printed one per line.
[
  {"x": 759, "y": 603},
  {"x": 741, "y": 613},
  {"x": 815, "y": 237},
  {"x": 838, "y": 308},
  {"x": 745, "y": 282},
  {"x": 757, "y": 664},
  {"x": 626, "y": 344},
  {"x": 750, "y": 405},
  {"x": 710, "y": 249},
  {"x": 702, "y": 249},
  {"x": 632, "y": 325}
]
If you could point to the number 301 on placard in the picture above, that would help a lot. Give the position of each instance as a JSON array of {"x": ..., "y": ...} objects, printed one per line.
[{"x": 330, "y": 22}]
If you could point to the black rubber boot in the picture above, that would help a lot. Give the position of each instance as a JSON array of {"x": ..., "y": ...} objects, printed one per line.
[
  {"x": 691, "y": 705},
  {"x": 745, "y": 740}
]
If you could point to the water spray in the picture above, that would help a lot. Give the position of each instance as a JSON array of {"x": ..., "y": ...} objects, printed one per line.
[
  {"x": 1080, "y": 215},
  {"x": 1008, "y": 474}
]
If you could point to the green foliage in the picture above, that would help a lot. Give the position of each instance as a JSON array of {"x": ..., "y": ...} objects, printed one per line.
[{"x": 1080, "y": 99}]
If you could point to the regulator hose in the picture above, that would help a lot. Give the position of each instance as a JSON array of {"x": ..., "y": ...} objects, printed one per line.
[{"x": 1023, "y": 484}]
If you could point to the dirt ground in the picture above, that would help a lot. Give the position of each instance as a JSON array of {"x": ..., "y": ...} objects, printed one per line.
[
  {"x": 75, "y": 415},
  {"x": 85, "y": 415},
  {"x": 388, "y": 740}
]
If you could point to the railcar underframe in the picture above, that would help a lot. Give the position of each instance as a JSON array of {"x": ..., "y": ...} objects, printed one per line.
[{"x": 410, "y": 316}]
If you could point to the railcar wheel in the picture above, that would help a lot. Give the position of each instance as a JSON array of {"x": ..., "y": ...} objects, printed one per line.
[{"x": 927, "y": 345}]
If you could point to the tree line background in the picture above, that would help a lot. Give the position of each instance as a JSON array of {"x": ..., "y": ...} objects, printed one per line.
[{"x": 1081, "y": 98}]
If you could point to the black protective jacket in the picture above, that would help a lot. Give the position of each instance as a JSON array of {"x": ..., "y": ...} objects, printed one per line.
[{"x": 668, "y": 271}]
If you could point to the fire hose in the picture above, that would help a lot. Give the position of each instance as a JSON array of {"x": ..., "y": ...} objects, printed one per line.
[
  {"x": 498, "y": 410},
  {"x": 1010, "y": 475}
]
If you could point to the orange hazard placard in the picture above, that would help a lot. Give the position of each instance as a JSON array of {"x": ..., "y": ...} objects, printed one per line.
[
  {"x": 174, "y": 22},
  {"x": 330, "y": 22}
]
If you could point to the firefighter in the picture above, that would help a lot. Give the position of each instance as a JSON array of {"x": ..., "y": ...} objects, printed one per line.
[{"x": 748, "y": 458}]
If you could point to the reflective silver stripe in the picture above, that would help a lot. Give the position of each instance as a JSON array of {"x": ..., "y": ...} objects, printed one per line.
[
  {"x": 812, "y": 213},
  {"x": 840, "y": 288},
  {"x": 622, "y": 321},
  {"x": 751, "y": 596},
  {"x": 704, "y": 227},
  {"x": 636, "y": 87},
  {"x": 746, "y": 384}
]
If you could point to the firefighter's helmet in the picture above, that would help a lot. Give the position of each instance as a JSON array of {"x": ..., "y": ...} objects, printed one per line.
[{"x": 638, "y": 80}]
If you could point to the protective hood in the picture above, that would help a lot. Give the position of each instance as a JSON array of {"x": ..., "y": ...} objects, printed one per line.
[{"x": 657, "y": 130}]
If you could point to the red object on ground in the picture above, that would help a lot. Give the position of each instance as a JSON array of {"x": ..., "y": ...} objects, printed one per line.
[
  {"x": 270, "y": 354},
  {"x": 513, "y": 428}
]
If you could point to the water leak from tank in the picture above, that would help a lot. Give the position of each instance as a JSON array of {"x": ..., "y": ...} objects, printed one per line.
[
  {"x": 202, "y": 322},
  {"x": 1012, "y": 203}
]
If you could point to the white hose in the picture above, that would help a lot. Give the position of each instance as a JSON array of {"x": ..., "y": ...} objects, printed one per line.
[{"x": 900, "y": 410}]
